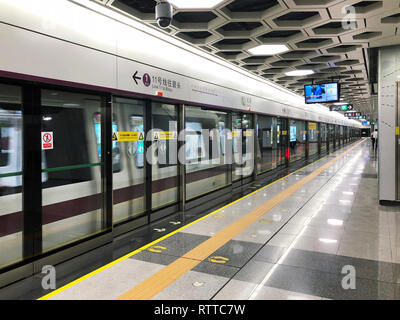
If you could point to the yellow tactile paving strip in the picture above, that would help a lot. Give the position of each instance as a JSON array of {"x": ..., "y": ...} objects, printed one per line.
[
  {"x": 162, "y": 279},
  {"x": 71, "y": 284}
]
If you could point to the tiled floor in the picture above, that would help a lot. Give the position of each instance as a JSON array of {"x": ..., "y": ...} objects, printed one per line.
[{"x": 297, "y": 250}]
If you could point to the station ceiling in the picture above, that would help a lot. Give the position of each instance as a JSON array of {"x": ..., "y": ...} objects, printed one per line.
[{"x": 311, "y": 29}]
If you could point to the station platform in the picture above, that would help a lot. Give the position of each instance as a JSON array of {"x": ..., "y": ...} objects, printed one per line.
[{"x": 291, "y": 239}]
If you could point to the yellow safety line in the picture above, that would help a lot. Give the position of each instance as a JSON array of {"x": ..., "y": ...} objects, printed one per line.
[
  {"x": 71, "y": 284},
  {"x": 156, "y": 283}
]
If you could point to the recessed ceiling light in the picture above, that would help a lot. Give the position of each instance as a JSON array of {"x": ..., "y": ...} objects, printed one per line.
[
  {"x": 195, "y": 4},
  {"x": 268, "y": 49},
  {"x": 335, "y": 222},
  {"x": 327, "y": 240},
  {"x": 299, "y": 73}
]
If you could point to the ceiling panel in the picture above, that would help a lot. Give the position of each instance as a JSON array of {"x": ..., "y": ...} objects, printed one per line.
[{"x": 318, "y": 34}]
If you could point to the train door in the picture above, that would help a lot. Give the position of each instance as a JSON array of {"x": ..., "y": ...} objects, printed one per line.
[
  {"x": 341, "y": 134},
  {"x": 129, "y": 172},
  {"x": 73, "y": 140},
  {"x": 337, "y": 136},
  {"x": 324, "y": 138},
  {"x": 206, "y": 140},
  {"x": 332, "y": 136},
  {"x": 283, "y": 152},
  {"x": 313, "y": 140},
  {"x": 297, "y": 139},
  {"x": 267, "y": 145},
  {"x": 164, "y": 149},
  {"x": 243, "y": 147}
]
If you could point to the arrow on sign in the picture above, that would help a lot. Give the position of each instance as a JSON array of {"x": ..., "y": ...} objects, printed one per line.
[{"x": 136, "y": 78}]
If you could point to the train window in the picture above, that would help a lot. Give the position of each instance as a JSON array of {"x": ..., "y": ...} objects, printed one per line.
[
  {"x": 129, "y": 182},
  {"x": 194, "y": 142},
  {"x": 206, "y": 170},
  {"x": 137, "y": 147},
  {"x": 5, "y": 136},
  {"x": 72, "y": 195},
  {"x": 10, "y": 175}
]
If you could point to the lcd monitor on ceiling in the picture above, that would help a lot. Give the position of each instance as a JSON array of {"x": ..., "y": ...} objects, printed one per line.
[{"x": 320, "y": 93}]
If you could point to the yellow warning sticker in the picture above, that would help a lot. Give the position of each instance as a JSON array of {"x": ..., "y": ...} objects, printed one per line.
[
  {"x": 312, "y": 126},
  {"x": 248, "y": 133},
  {"x": 235, "y": 133},
  {"x": 130, "y": 136},
  {"x": 217, "y": 259},
  {"x": 114, "y": 137},
  {"x": 284, "y": 133},
  {"x": 397, "y": 131},
  {"x": 165, "y": 135}
]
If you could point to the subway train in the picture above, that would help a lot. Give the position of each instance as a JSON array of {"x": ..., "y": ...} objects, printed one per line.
[{"x": 110, "y": 76}]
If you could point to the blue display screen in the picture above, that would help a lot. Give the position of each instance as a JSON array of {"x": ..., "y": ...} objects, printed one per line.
[{"x": 317, "y": 93}]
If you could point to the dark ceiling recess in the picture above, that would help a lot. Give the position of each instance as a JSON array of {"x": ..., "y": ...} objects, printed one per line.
[
  {"x": 231, "y": 53},
  {"x": 364, "y": 4},
  {"x": 273, "y": 70},
  {"x": 296, "y": 54},
  {"x": 331, "y": 25},
  {"x": 249, "y": 60},
  {"x": 297, "y": 16},
  {"x": 251, "y": 5},
  {"x": 233, "y": 41},
  {"x": 252, "y": 66},
  {"x": 314, "y": 40},
  {"x": 284, "y": 63},
  {"x": 241, "y": 26},
  {"x": 144, "y": 6},
  {"x": 281, "y": 34},
  {"x": 197, "y": 34},
  {"x": 194, "y": 17}
]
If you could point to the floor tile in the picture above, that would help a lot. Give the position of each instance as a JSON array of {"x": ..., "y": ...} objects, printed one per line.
[
  {"x": 235, "y": 290},
  {"x": 254, "y": 271},
  {"x": 193, "y": 286},
  {"x": 270, "y": 254},
  {"x": 181, "y": 243},
  {"x": 215, "y": 269},
  {"x": 110, "y": 283},
  {"x": 329, "y": 285},
  {"x": 269, "y": 293},
  {"x": 370, "y": 251},
  {"x": 327, "y": 245},
  {"x": 238, "y": 252}
]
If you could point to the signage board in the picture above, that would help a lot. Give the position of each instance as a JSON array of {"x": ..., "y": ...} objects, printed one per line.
[{"x": 47, "y": 141}]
